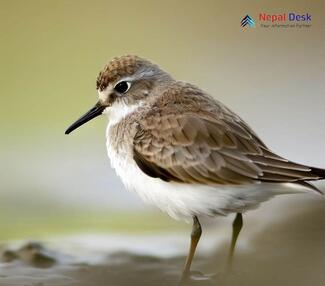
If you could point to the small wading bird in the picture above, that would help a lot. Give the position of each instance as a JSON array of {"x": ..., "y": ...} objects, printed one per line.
[{"x": 184, "y": 151}]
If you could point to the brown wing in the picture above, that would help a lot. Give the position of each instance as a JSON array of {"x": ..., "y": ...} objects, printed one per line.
[{"x": 190, "y": 148}]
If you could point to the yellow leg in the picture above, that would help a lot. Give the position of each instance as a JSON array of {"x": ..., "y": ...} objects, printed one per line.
[
  {"x": 236, "y": 228},
  {"x": 195, "y": 237}
]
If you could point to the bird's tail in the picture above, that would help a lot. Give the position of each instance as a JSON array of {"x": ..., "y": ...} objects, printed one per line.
[{"x": 318, "y": 172}]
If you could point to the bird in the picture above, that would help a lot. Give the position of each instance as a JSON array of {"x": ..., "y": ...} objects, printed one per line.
[{"x": 184, "y": 151}]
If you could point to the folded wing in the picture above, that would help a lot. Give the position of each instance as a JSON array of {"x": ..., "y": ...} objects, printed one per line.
[{"x": 210, "y": 148}]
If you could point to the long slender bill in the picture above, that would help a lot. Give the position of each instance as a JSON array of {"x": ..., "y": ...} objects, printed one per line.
[{"x": 92, "y": 113}]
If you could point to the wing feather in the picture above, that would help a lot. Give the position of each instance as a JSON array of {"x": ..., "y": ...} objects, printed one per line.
[{"x": 205, "y": 146}]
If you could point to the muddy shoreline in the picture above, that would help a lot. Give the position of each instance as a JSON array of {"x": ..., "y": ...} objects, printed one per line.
[{"x": 288, "y": 250}]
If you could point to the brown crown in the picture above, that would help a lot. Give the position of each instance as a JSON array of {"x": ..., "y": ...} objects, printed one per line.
[{"x": 117, "y": 68}]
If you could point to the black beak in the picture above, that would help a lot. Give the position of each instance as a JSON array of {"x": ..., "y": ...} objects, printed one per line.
[{"x": 92, "y": 113}]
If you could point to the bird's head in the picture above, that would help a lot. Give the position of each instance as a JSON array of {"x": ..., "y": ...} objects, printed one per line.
[{"x": 124, "y": 83}]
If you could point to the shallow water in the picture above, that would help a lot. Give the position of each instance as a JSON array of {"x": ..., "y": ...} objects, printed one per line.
[{"x": 285, "y": 250}]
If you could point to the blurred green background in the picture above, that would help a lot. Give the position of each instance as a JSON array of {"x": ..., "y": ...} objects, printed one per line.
[{"x": 51, "y": 52}]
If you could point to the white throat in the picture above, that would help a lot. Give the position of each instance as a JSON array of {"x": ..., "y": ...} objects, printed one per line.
[{"x": 119, "y": 110}]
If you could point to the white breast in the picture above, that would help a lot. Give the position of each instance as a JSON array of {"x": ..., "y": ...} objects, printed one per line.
[{"x": 182, "y": 201}]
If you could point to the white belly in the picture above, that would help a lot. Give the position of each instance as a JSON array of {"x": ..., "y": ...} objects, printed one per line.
[{"x": 182, "y": 201}]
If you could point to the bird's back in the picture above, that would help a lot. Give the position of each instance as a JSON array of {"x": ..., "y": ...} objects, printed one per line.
[{"x": 187, "y": 136}]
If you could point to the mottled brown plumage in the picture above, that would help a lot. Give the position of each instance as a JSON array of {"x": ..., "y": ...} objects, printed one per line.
[{"x": 187, "y": 136}]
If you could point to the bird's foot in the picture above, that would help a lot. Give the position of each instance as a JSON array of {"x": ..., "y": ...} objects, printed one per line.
[{"x": 192, "y": 275}]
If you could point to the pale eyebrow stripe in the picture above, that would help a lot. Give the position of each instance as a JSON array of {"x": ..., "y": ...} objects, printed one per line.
[{"x": 132, "y": 78}]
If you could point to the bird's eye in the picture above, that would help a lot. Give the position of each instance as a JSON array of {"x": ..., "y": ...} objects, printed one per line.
[{"x": 122, "y": 86}]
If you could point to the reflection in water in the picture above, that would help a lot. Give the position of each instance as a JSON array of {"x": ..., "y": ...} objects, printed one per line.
[{"x": 291, "y": 252}]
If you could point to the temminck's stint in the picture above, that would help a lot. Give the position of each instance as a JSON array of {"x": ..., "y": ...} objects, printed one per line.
[{"x": 184, "y": 151}]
